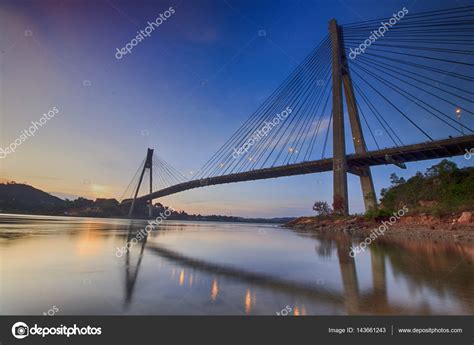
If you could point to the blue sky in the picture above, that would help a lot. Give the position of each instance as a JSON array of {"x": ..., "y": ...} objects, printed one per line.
[{"x": 183, "y": 91}]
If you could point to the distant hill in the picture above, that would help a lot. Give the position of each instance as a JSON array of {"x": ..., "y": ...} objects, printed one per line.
[{"x": 22, "y": 197}]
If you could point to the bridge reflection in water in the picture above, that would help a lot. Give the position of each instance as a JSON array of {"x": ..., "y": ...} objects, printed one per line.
[
  {"x": 212, "y": 268},
  {"x": 402, "y": 256}
]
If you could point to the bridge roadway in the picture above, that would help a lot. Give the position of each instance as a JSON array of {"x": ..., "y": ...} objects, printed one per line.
[{"x": 409, "y": 153}]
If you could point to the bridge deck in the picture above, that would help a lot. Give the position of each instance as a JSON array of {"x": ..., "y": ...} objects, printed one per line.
[{"x": 429, "y": 150}]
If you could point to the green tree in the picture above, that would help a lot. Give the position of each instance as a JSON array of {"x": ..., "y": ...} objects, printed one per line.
[
  {"x": 322, "y": 208},
  {"x": 395, "y": 180},
  {"x": 443, "y": 168}
]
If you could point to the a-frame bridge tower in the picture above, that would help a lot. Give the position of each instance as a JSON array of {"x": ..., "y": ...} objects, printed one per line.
[{"x": 342, "y": 82}]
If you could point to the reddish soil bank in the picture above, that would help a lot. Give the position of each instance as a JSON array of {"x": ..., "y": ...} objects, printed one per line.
[{"x": 456, "y": 227}]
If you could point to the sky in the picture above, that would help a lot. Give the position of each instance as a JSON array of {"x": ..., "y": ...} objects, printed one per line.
[{"x": 183, "y": 91}]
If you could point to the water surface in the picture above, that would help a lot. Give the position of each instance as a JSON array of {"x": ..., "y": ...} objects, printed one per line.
[{"x": 213, "y": 268}]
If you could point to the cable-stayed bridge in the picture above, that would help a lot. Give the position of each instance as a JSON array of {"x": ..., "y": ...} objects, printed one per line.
[{"x": 407, "y": 90}]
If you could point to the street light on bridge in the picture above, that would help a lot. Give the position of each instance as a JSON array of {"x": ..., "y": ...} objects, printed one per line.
[
  {"x": 458, "y": 115},
  {"x": 292, "y": 150}
]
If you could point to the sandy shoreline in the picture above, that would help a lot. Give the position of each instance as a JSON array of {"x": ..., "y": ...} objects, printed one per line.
[{"x": 421, "y": 227}]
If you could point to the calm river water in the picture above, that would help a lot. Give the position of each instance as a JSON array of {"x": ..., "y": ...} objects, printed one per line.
[{"x": 71, "y": 266}]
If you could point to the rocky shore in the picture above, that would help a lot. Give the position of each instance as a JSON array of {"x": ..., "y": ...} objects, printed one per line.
[{"x": 455, "y": 227}]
